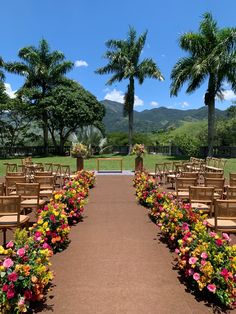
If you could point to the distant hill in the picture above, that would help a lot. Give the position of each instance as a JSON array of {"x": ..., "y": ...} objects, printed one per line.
[{"x": 153, "y": 119}]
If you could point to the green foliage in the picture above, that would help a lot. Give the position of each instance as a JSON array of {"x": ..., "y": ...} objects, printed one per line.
[{"x": 121, "y": 139}]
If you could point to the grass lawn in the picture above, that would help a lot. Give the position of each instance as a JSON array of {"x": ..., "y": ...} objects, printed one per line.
[{"x": 128, "y": 162}]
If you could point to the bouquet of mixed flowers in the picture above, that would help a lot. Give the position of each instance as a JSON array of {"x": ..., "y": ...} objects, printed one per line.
[
  {"x": 139, "y": 150},
  {"x": 79, "y": 150},
  {"x": 86, "y": 178},
  {"x": 51, "y": 229},
  {"x": 25, "y": 273}
]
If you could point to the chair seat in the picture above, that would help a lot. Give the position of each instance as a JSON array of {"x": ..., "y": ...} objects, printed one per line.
[
  {"x": 32, "y": 201},
  {"x": 44, "y": 193},
  {"x": 10, "y": 220},
  {"x": 152, "y": 174},
  {"x": 222, "y": 223},
  {"x": 200, "y": 206}
]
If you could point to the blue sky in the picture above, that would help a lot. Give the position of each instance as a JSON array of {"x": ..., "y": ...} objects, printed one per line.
[{"x": 80, "y": 28}]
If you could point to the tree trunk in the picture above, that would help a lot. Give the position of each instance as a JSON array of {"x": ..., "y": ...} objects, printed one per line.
[
  {"x": 211, "y": 127},
  {"x": 131, "y": 123},
  {"x": 129, "y": 107},
  {"x": 45, "y": 131}
]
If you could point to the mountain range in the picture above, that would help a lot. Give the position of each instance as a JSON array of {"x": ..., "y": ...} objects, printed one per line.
[{"x": 151, "y": 120}]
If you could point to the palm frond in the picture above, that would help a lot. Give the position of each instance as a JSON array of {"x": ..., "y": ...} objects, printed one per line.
[{"x": 148, "y": 68}]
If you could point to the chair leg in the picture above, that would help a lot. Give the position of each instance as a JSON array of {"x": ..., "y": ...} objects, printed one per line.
[{"x": 4, "y": 231}]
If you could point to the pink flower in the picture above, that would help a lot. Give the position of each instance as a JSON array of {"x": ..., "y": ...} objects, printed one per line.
[
  {"x": 176, "y": 251},
  {"x": 204, "y": 255},
  {"x": 192, "y": 260},
  {"x": 190, "y": 272},
  {"x": 226, "y": 237},
  {"x": 12, "y": 277},
  {"x": 211, "y": 288},
  {"x": 212, "y": 234},
  {"x": 21, "y": 252},
  {"x": 203, "y": 262},
  {"x": 196, "y": 276},
  {"x": 10, "y": 244},
  {"x": 8, "y": 263}
]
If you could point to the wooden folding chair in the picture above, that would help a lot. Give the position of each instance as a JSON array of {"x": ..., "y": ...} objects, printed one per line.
[
  {"x": 11, "y": 183},
  {"x": 10, "y": 167},
  {"x": 202, "y": 197},
  {"x": 232, "y": 179},
  {"x": 30, "y": 198},
  {"x": 182, "y": 186},
  {"x": 2, "y": 189},
  {"x": 10, "y": 216},
  {"x": 15, "y": 174},
  {"x": 47, "y": 185},
  {"x": 217, "y": 183},
  {"x": 225, "y": 216},
  {"x": 230, "y": 193}
]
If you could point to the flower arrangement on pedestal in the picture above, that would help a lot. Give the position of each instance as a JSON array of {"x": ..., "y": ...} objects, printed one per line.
[
  {"x": 139, "y": 150},
  {"x": 79, "y": 150}
]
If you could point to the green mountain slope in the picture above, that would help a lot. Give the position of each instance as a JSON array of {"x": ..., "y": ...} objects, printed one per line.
[{"x": 151, "y": 120}]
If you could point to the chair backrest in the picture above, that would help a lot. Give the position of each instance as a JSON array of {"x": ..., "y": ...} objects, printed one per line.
[
  {"x": 187, "y": 174},
  {"x": 45, "y": 181},
  {"x": 28, "y": 190},
  {"x": 56, "y": 169},
  {"x": 201, "y": 193},
  {"x": 43, "y": 173},
  {"x": 225, "y": 209},
  {"x": 231, "y": 193},
  {"x": 232, "y": 179},
  {"x": 218, "y": 183},
  {"x": 10, "y": 205},
  {"x": 2, "y": 189},
  {"x": 15, "y": 174},
  {"x": 48, "y": 166},
  {"x": 159, "y": 169},
  {"x": 185, "y": 183},
  {"x": 65, "y": 170},
  {"x": 11, "y": 183},
  {"x": 218, "y": 174},
  {"x": 10, "y": 167}
]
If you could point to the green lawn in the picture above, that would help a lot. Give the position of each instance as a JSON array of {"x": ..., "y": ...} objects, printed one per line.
[{"x": 128, "y": 162}]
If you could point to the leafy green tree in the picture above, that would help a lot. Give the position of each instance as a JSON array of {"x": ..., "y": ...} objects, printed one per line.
[
  {"x": 124, "y": 63},
  {"x": 211, "y": 58},
  {"x": 43, "y": 70},
  {"x": 71, "y": 107}
]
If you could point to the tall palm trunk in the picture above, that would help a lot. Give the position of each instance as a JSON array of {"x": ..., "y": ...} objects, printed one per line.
[
  {"x": 129, "y": 107},
  {"x": 211, "y": 127},
  {"x": 210, "y": 102}
]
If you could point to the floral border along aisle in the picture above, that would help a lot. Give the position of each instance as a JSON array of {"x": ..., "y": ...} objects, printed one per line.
[
  {"x": 205, "y": 258},
  {"x": 25, "y": 272}
]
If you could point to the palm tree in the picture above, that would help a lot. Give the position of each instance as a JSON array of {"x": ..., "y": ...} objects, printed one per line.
[
  {"x": 212, "y": 58},
  {"x": 2, "y": 76},
  {"x": 43, "y": 69},
  {"x": 124, "y": 63}
]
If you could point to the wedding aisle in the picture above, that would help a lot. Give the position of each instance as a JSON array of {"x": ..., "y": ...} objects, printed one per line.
[{"x": 115, "y": 263}]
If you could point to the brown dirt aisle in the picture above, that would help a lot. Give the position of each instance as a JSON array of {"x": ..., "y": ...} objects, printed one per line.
[{"x": 114, "y": 263}]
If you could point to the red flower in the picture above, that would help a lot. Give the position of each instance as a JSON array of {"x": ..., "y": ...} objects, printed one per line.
[
  {"x": 10, "y": 293},
  {"x": 12, "y": 277},
  {"x": 5, "y": 287},
  {"x": 28, "y": 294}
]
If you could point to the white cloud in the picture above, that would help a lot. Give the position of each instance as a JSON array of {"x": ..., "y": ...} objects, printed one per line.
[
  {"x": 9, "y": 91},
  {"x": 154, "y": 104},
  {"x": 229, "y": 95},
  {"x": 184, "y": 104},
  {"x": 80, "y": 63},
  {"x": 117, "y": 95},
  {"x": 137, "y": 101}
]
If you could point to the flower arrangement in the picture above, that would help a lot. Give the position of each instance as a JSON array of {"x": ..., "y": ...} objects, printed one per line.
[
  {"x": 79, "y": 150},
  {"x": 86, "y": 177},
  {"x": 25, "y": 273},
  {"x": 205, "y": 258},
  {"x": 74, "y": 201},
  {"x": 139, "y": 150},
  {"x": 51, "y": 229}
]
